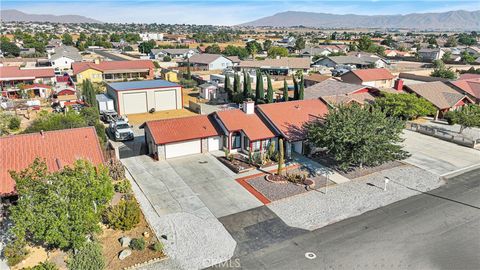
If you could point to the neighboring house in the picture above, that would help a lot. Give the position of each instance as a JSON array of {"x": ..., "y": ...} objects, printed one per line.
[
  {"x": 323, "y": 50},
  {"x": 57, "y": 148},
  {"x": 358, "y": 61},
  {"x": 430, "y": 55},
  {"x": 173, "y": 53},
  {"x": 26, "y": 51},
  {"x": 442, "y": 96},
  {"x": 39, "y": 89},
  {"x": 10, "y": 77},
  {"x": 150, "y": 36},
  {"x": 243, "y": 130},
  {"x": 313, "y": 79},
  {"x": 64, "y": 56},
  {"x": 169, "y": 75},
  {"x": 469, "y": 87},
  {"x": 334, "y": 92},
  {"x": 113, "y": 70},
  {"x": 467, "y": 76},
  {"x": 281, "y": 66},
  {"x": 374, "y": 77},
  {"x": 208, "y": 61},
  {"x": 288, "y": 119},
  {"x": 183, "y": 136},
  {"x": 208, "y": 91},
  {"x": 144, "y": 96},
  {"x": 410, "y": 78}
]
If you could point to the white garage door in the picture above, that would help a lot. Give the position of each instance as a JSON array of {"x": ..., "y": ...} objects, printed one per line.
[
  {"x": 165, "y": 100},
  {"x": 134, "y": 103},
  {"x": 183, "y": 149},
  {"x": 214, "y": 143}
]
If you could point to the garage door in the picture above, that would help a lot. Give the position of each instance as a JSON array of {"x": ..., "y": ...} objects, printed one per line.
[
  {"x": 165, "y": 100},
  {"x": 134, "y": 103},
  {"x": 214, "y": 143},
  {"x": 183, "y": 149}
]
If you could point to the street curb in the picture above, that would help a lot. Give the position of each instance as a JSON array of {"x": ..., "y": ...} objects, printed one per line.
[{"x": 459, "y": 171}]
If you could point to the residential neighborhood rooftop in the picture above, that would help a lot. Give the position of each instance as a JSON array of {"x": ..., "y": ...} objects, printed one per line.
[
  {"x": 8, "y": 73},
  {"x": 438, "y": 93},
  {"x": 372, "y": 74},
  {"x": 146, "y": 84},
  {"x": 283, "y": 62},
  {"x": 204, "y": 58},
  {"x": 250, "y": 124},
  {"x": 58, "y": 148},
  {"x": 331, "y": 87},
  {"x": 182, "y": 129},
  {"x": 112, "y": 65}
]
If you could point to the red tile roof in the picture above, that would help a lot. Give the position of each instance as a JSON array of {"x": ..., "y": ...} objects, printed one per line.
[
  {"x": 112, "y": 65},
  {"x": 9, "y": 73},
  {"x": 251, "y": 124},
  {"x": 467, "y": 76},
  {"x": 289, "y": 117},
  {"x": 182, "y": 129},
  {"x": 37, "y": 85},
  {"x": 18, "y": 151},
  {"x": 471, "y": 86},
  {"x": 373, "y": 74}
]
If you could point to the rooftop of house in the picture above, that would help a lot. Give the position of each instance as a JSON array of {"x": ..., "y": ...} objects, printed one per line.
[
  {"x": 317, "y": 77},
  {"x": 361, "y": 98},
  {"x": 471, "y": 86},
  {"x": 58, "y": 148},
  {"x": 438, "y": 93},
  {"x": 9, "y": 73},
  {"x": 415, "y": 77},
  {"x": 204, "y": 58},
  {"x": 371, "y": 74},
  {"x": 466, "y": 76},
  {"x": 173, "y": 51},
  {"x": 283, "y": 62},
  {"x": 290, "y": 117},
  {"x": 66, "y": 51},
  {"x": 251, "y": 124},
  {"x": 331, "y": 87},
  {"x": 113, "y": 65},
  {"x": 356, "y": 60},
  {"x": 146, "y": 84},
  {"x": 182, "y": 129}
]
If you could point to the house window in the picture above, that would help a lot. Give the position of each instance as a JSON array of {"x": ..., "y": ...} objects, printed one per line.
[
  {"x": 246, "y": 143},
  {"x": 236, "y": 140},
  {"x": 256, "y": 145}
]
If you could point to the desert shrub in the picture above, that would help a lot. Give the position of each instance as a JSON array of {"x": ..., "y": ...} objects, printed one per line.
[
  {"x": 123, "y": 186},
  {"x": 89, "y": 257},
  {"x": 296, "y": 178},
  {"x": 157, "y": 246},
  {"x": 14, "y": 123},
  {"x": 15, "y": 252},
  {"x": 44, "y": 266},
  {"x": 116, "y": 169},
  {"x": 137, "y": 244},
  {"x": 123, "y": 216}
]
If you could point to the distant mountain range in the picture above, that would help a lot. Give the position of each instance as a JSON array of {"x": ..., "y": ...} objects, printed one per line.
[
  {"x": 452, "y": 20},
  {"x": 13, "y": 15}
]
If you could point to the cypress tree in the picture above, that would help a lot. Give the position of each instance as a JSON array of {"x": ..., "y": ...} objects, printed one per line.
[
  {"x": 295, "y": 88},
  {"x": 301, "y": 91},
  {"x": 257, "y": 88},
  {"x": 236, "y": 84},
  {"x": 228, "y": 87},
  {"x": 247, "y": 89},
  {"x": 269, "y": 90},
  {"x": 189, "y": 74},
  {"x": 260, "y": 92},
  {"x": 285, "y": 90},
  {"x": 89, "y": 93}
]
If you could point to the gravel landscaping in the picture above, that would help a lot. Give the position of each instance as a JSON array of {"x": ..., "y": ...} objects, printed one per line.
[
  {"x": 277, "y": 191},
  {"x": 314, "y": 210}
]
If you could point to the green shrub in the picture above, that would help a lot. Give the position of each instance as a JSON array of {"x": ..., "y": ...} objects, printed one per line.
[
  {"x": 157, "y": 246},
  {"x": 45, "y": 266},
  {"x": 116, "y": 169},
  {"x": 137, "y": 244},
  {"x": 123, "y": 216},
  {"x": 89, "y": 257},
  {"x": 15, "y": 252},
  {"x": 14, "y": 123},
  {"x": 123, "y": 186}
]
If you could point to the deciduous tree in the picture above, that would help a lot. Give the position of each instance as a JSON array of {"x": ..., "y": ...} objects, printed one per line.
[
  {"x": 405, "y": 106},
  {"x": 467, "y": 116}
]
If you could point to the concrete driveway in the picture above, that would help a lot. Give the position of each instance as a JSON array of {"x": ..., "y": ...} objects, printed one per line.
[{"x": 438, "y": 156}]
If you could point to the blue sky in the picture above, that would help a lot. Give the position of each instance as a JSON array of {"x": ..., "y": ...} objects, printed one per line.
[{"x": 224, "y": 12}]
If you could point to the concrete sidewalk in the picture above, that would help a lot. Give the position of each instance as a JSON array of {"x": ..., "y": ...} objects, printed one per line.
[
  {"x": 320, "y": 169},
  {"x": 195, "y": 238}
]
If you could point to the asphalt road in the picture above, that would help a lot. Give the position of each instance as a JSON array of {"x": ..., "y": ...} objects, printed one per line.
[{"x": 435, "y": 230}]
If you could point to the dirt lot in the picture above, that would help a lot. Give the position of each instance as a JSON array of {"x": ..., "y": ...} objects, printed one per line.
[
  {"x": 112, "y": 247},
  {"x": 138, "y": 119}
]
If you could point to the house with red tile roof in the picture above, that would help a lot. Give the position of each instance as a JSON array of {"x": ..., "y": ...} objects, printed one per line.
[
  {"x": 243, "y": 130},
  {"x": 58, "y": 148},
  {"x": 374, "y": 77},
  {"x": 176, "y": 137},
  {"x": 289, "y": 118},
  {"x": 113, "y": 70},
  {"x": 469, "y": 87},
  {"x": 12, "y": 76}
]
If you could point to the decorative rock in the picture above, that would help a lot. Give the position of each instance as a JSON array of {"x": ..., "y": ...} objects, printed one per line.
[
  {"x": 124, "y": 254},
  {"x": 125, "y": 241},
  {"x": 146, "y": 234}
]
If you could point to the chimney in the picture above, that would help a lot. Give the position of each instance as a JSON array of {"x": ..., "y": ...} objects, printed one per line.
[
  {"x": 359, "y": 55},
  {"x": 398, "y": 85},
  {"x": 97, "y": 61},
  {"x": 59, "y": 163},
  {"x": 42, "y": 133},
  {"x": 248, "y": 106}
]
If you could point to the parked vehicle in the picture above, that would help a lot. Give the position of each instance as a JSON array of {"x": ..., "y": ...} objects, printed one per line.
[
  {"x": 104, "y": 103},
  {"x": 339, "y": 72},
  {"x": 108, "y": 116},
  {"x": 120, "y": 130}
]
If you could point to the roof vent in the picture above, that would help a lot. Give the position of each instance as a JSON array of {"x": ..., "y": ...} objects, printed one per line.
[
  {"x": 59, "y": 163},
  {"x": 42, "y": 133}
]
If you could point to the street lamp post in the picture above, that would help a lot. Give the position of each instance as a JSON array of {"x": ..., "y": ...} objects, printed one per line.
[{"x": 385, "y": 183}]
